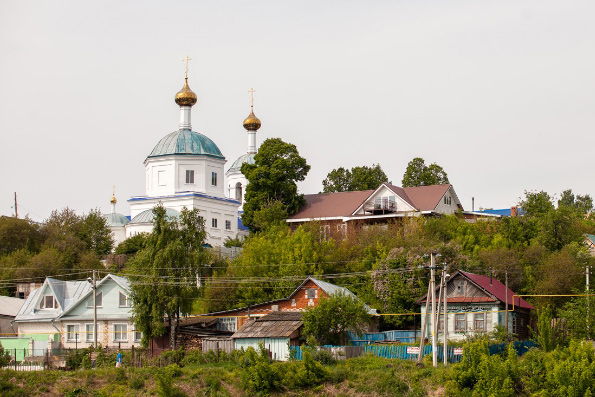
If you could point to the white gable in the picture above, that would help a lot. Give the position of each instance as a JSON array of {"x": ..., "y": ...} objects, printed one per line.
[{"x": 383, "y": 199}]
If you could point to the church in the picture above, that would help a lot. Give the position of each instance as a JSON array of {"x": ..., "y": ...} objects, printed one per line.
[{"x": 186, "y": 169}]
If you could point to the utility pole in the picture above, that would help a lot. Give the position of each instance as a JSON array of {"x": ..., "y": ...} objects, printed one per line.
[
  {"x": 506, "y": 282},
  {"x": 433, "y": 284},
  {"x": 16, "y": 207},
  {"x": 445, "y": 322},
  {"x": 587, "y": 271},
  {"x": 95, "y": 307},
  {"x": 424, "y": 327}
]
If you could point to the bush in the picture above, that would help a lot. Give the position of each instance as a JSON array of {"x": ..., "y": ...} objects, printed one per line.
[
  {"x": 307, "y": 373},
  {"x": 258, "y": 372},
  {"x": 323, "y": 356},
  {"x": 165, "y": 387},
  {"x": 136, "y": 383}
]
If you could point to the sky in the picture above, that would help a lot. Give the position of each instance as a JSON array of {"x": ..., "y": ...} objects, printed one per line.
[{"x": 498, "y": 93}]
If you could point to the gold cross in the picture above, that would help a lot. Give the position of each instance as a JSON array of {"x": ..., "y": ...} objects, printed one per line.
[
  {"x": 186, "y": 60},
  {"x": 251, "y": 91},
  {"x": 114, "y": 190}
]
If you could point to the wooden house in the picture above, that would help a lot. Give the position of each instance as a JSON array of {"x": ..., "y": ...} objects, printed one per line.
[
  {"x": 276, "y": 331},
  {"x": 477, "y": 304}
]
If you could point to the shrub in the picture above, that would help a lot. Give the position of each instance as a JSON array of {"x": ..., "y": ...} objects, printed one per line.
[
  {"x": 165, "y": 387},
  {"x": 258, "y": 372},
  {"x": 136, "y": 383},
  {"x": 307, "y": 373},
  {"x": 323, "y": 356}
]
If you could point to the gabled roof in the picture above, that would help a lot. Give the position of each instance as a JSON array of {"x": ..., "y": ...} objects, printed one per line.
[
  {"x": 495, "y": 291},
  {"x": 345, "y": 204},
  {"x": 273, "y": 325},
  {"x": 331, "y": 289},
  {"x": 121, "y": 281},
  {"x": 67, "y": 293}
]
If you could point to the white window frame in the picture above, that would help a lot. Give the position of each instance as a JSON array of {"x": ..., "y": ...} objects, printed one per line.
[
  {"x": 76, "y": 335},
  {"x": 313, "y": 290},
  {"x": 479, "y": 317},
  {"x": 99, "y": 300},
  {"x": 89, "y": 334},
  {"x": 213, "y": 178},
  {"x": 227, "y": 225},
  {"x": 136, "y": 332},
  {"x": 124, "y": 332},
  {"x": 190, "y": 177},
  {"x": 214, "y": 223},
  {"x": 42, "y": 304},
  {"x": 120, "y": 300}
]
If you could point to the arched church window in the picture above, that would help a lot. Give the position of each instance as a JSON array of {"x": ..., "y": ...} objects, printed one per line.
[{"x": 239, "y": 191}]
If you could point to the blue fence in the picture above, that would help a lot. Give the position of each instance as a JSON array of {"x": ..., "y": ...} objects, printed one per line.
[
  {"x": 403, "y": 336},
  {"x": 400, "y": 352}
]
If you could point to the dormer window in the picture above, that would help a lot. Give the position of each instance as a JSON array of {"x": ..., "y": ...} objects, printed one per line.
[
  {"x": 124, "y": 301},
  {"x": 310, "y": 293},
  {"x": 48, "y": 302},
  {"x": 99, "y": 300}
]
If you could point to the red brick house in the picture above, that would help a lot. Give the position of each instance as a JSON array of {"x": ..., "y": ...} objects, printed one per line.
[{"x": 306, "y": 295}]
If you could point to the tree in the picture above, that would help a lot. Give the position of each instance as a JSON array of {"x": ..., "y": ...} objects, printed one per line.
[
  {"x": 358, "y": 178},
  {"x": 165, "y": 273},
  {"x": 418, "y": 174},
  {"x": 273, "y": 176},
  {"x": 583, "y": 204},
  {"x": 536, "y": 203},
  {"x": 95, "y": 233},
  {"x": 334, "y": 317},
  {"x": 132, "y": 244},
  {"x": 17, "y": 234}
]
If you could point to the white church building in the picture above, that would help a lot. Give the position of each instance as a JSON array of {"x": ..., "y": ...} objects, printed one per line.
[{"x": 186, "y": 169}]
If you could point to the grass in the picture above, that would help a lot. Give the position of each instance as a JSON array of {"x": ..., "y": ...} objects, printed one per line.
[{"x": 362, "y": 376}]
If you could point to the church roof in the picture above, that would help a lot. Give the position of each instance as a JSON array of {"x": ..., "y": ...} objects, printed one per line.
[
  {"x": 147, "y": 216},
  {"x": 245, "y": 158},
  {"x": 114, "y": 220},
  {"x": 186, "y": 142}
]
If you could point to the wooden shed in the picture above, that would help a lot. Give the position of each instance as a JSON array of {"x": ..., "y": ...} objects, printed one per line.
[{"x": 277, "y": 331}]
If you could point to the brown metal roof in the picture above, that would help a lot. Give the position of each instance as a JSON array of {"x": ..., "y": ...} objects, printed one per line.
[
  {"x": 426, "y": 198},
  {"x": 274, "y": 325},
  {"x": 326, "y": 205},
  {"x": 343, "y": 204}
]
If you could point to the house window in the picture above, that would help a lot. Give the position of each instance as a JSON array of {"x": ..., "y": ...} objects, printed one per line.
[
  {"x": 227, "y": 324},
  {"x": 460, "y": 286},
  {"x": 310, "y": 293},
  {"x": 99, "y": 300},
  {"x": 239, "y": 191},
  {"x": 479, "y": 322},
  {"x": 48, "y": 302},
  {"x": 214, "y": 178},
  {"x": 189, "y": 176},
  {"x": 293, "y": 302},
  {"x": 138, "y": 335},
  {"x": 214, "y": 222},
  {"x": 441, "y": 323},
  {"x": 72, "y": 333},
  {"x": 120, "y": 333},
  {"x": 124, "y": 301},
  {"x": 89, "y": 330},
  {"x": 460, "y": 323},
  {"x": 227, "y": 225}
]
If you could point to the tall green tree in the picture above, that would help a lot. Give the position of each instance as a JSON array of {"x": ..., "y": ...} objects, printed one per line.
[
  {"x": 18, "y": 234},
  {"x": 272, "y": 178},
  {"x": 95, "y": 233},
  {"x": 420, "y": 174},
  {"x": 165, "y": 274},
  {"x": 358, "y": 178},
  {"x": 536, "y": 203}
]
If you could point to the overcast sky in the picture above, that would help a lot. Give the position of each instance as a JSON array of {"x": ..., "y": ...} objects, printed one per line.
[{"x": 499, "y": 93}]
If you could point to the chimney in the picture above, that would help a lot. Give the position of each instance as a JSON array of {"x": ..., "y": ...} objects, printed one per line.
[
  {"x": 472, "y": 204},
  {"x": 514, "y": 211}
]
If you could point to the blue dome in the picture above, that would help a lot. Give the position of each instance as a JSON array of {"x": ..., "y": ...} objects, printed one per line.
[
  {"x": 147, "y": 216},
  {"x": 115, "y": 220},
  {"x": 186, "y": 142},
  {"x": 245, "y": 158}
]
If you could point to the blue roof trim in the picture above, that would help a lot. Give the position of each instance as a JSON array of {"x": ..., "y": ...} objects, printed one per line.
[
  {"x": 501, "y": 212},
  {"x": 241, "y": 225},
  {"x": 191, "y": 194}
]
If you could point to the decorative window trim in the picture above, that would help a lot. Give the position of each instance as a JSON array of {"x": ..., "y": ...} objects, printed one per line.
[
  {"x": 190, "y": 177},
  {"x": 214, "y": 223},
  {"x": 459, "y": 329},
  {"x": 42, "y": 304}
]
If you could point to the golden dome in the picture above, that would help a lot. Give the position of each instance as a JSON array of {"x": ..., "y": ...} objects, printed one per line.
[
  {"x": 252, "y": 123},
  {"x": 113, "y": 199},
  {"x": 186, "y": 97}
]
